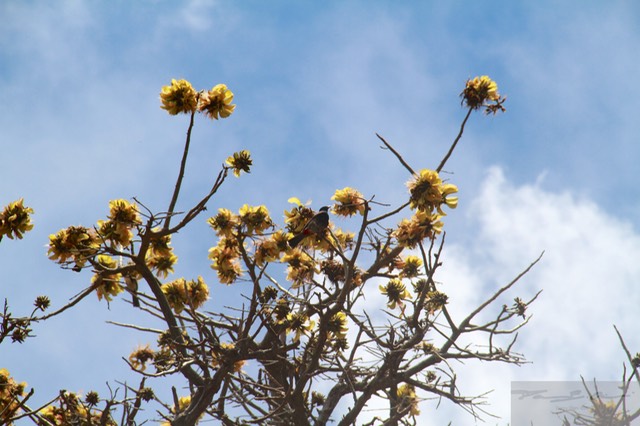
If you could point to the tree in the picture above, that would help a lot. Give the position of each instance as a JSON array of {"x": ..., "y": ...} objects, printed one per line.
[{"x": 304, "y": 346}]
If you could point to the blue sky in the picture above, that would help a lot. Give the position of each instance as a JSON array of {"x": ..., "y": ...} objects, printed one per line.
[{"x": 80, "y": 124}]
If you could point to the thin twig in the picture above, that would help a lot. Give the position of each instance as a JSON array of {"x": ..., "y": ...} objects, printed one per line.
[{"x": 455, "y": 142}]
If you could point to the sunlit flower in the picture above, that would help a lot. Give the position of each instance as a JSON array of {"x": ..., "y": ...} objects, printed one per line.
[
  {"x": 179, "y": 97},
  {"x": 396, "y": 293},
  {"x": 217, "y": 102},
  {"x": 428, "y": 192},
  {"x": 350, "y": 201},
  {"x": 240, "y": 162},
  {"x": 224, "y": 223},
  {"x": 15, "y": 220}
]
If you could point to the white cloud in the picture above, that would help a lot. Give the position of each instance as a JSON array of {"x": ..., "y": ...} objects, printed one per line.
[{"x": 589, "y": 274}]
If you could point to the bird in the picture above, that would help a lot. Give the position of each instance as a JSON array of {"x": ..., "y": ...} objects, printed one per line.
[
  {"x": 316, "y": 225},
  {"x": 132, "y": 286}
]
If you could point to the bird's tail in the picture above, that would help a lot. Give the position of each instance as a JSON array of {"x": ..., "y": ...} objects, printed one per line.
[{"x": 295, "y": 240}]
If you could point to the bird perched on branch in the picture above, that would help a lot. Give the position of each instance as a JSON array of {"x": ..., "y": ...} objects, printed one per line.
[{"x": 316, "y": 226}]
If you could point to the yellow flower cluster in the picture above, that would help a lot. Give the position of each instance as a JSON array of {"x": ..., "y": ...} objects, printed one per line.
[
  {"x": 255, "y": 218},
  {"x": 224, "y": 259},
  {"x": 11, "y": 394},
  {"x": 396, "y": 293},
  {"x": 108, "y": 283},
  {"x": 160, "y": 257},
  {"x": 482, "y": 92},
  {"x": 428, "y": 192},
  {"x": 75, "y": 244},
  {"x": 181, "y": 98},
  {"x": 240, "y": 162},
  {"x": 350, "y": 202},
  {"x": 72, "y": 411},
  {"x": 15, "y": 220},
  {"x": 301, "y": 267},
  {"x": 181, "y": 293},
  {"x": 270, "y": 249},
  {"x": 123, "y": 216}
]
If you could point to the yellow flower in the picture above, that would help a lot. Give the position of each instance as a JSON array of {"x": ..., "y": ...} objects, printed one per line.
[
  {"x": 435, "y": 301},
  {"x": 114, "y": 232},
  {"x": 410, "y": 266},
  {"x": 225, "y": 260},
  {"x": 479, "y": 91},
  {"x": 183, "y": 404},
  {"x": 122, "y": 211},
  {"x": 301, "y": 267},
  {"x": 15, "y": 220},
  {"x": 422, "y": 225},
  {"x": 162, "y": 263},
  {"x": 76, "y": 243},
  {"x": 217, "y": 102},
  {"x": 255, "y": 218},
  {"x": 224, "y": 223},
  {"x": 140, "y": 357},
  {"x": 299, "y": 324},
  {"x": 160, "y": 245},
  {"x": 408, "y": 400},
  {"x": 427, "y": 192},
  {"x": 350, "y": 202},
  {"x": 179, "y": 97},
  {"x": 298, "y": 216},
  {"x": 240, "y": 162},
  {"x": 109, "y": 283},
  {"x": 337, "y": 325},
  {"x": 396, "y": 293},
  {"x": 11, "y": 394},
  {"x": 268, "y": 250}
]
